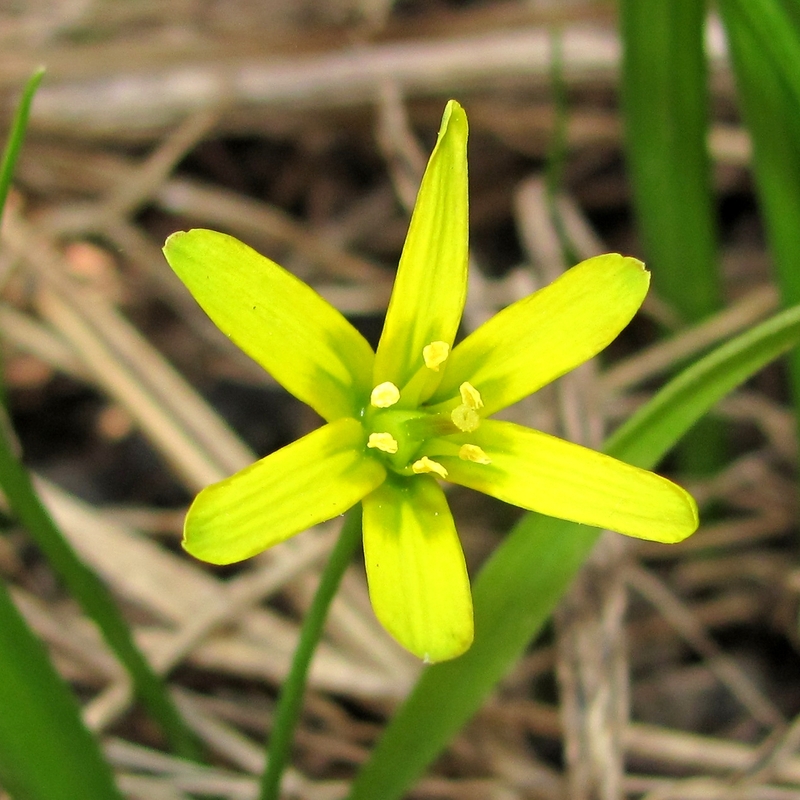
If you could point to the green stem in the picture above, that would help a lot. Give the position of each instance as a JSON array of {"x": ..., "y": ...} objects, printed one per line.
[{"x": 291, "y": 697}]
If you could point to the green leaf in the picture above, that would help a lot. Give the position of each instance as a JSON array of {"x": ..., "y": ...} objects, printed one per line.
[
  {"x": 765, "y": 52},
  {"x": 309, "y": 481},
  {"x": 85, "y": 586},
  {"x": 46, "y": 753},
  {"x": 651, "y": 431},
  {"x": 542, "y": 473},
  {"x": 17, "y": 136},
  {"x": 772, "y": 26},
  {"x": 431, "y": 285},
  {"x": 541, "y": 337},
  {"x": 665, "y": 108},
  {"x": 418, "y": 582},
  {"x": 91, "y": 593},
  {"x": 520, "y": 585},
  {"x": 279, "y": 321}
]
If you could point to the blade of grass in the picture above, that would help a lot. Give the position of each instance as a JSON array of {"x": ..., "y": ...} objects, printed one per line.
[
  {"x": 765, "y": 50},
  {"x": 92, "y": 595},
  {"x": 14, "y": 144},
  {"x": 665, "y": 108},
  {"x": 773, "y": 25},
  {"x": 666, "y": 122},
  {"x": 46, "y": 753},
  {"x": 11, "y": 153},
  {"x": 557, "y": 150},
  {"x": 86, "y": 587},
  {"x": 520, "y": 585}
]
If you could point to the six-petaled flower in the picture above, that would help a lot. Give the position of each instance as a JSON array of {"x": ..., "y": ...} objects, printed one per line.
[{"x": 418, "y": 410}]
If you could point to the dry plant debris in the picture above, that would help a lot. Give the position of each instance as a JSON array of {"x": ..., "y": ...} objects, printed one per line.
[{"x": 299, "y": 127}]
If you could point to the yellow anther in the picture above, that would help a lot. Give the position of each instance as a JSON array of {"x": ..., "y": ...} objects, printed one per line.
[
  {"x": 384, "y": 395},
  {"x": 383, "y": 441},
  {"x": 470, "y": 396},
  {"x": 471, "y": 452},
  {"x": 435, "y": 354},
  {"x": 426, "y": 464},
  {"x": 465, "y": 418}
]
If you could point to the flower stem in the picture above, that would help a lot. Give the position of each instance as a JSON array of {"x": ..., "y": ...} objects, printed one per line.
[{"x": 291, "y": 696}]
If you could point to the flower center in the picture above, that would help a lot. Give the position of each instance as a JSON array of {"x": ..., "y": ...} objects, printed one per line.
[{"x": 408, "y": 439}]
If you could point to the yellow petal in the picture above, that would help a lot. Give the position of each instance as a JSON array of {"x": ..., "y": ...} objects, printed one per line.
[
  {"x": 548, "y": 333},
  {"x": 545, "y": 474},
  {"x": 279, "y": 321},
  {"x": 309, "y": 481},
  {"x": 431, "y": 284},
  {"x": 418, "y": 581}
]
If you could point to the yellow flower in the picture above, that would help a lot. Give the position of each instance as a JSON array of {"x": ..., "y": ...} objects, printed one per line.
[{"x": 418, "y": 410}]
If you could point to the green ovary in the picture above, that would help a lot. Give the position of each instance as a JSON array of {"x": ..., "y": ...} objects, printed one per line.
[
  {"x": 398, "y": 436},
  {"x": 407, "y": 431}
]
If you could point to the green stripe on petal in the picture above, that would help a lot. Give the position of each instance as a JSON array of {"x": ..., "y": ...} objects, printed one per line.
[
  {"x": 541, "y": 337},
  {"x": 542, "y": 473},
  {"x": 279, "y": 321},
  {"x": 431, "y": 284},
  {"x": 309, "y": 481},
  {"x": 418, "y": 582}
]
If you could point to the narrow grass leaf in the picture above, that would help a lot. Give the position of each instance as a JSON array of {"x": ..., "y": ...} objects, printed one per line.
[
  {"x": 666, "y": 120},
  {"x": 665, "y": 109},
  {"x": 79, "y": 579},
  {"x": 773, "y": 26},
  {"x": 46, "y": 753},
  {"x": 17, "y": 136},
  {"x": 92, "y": 595},
  {"x": 765, "y": 49},
  {"x": 521, "y": 584}
]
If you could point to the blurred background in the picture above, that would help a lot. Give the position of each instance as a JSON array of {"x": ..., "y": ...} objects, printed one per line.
[{"x": 302, "y": 127}]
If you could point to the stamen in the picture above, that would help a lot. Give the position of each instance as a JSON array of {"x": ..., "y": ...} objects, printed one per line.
[
  {"x": 465, "y": 418},
  {"x": 435, "y": 354},
  {"x": 426, "y": 464},
  {"x": 384, "y": 395},
  {"x": 383, "y": 441},
  {"x": 470, "y": 396},
  {"x": 471, "y": 452}
]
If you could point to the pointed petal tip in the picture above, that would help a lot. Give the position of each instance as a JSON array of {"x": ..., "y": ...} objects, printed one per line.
[
  {"x": 639, "y": 265},
  {"x": 174, "y": 238},
  {"x": 454, "y": 114}
]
